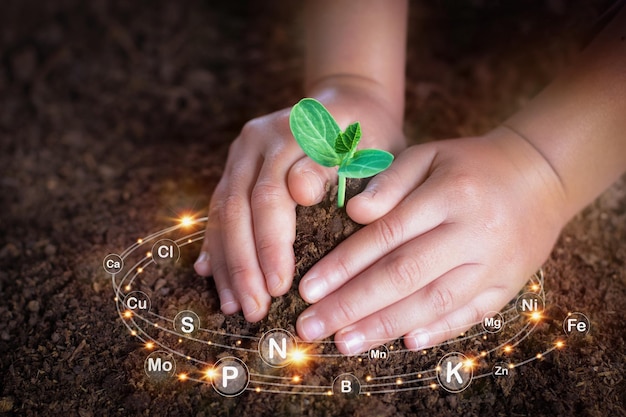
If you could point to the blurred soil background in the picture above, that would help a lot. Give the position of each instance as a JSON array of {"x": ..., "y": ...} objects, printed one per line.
[{"x": 115, "y": 118}]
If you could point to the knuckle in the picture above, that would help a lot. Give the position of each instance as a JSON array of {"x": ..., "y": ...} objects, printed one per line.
[
  {"x": 403, "y": 272},
  {"x": 388, "y": 326},
  {"x": 266, "y": 193},
  {"x": 441, "y": 299},
  {"x": 389, "y": 232},
  {"x": 231, "y": 208},
  {"x": 346, "y": 311},
  {"x": 467, "y": 188}
]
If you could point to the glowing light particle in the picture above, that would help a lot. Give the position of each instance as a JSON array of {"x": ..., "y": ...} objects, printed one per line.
[
  {"x": 399, "y": 381},
  {"x": 536, "y": 316},
  {"x": 539, "y": 356},
  {"x": 128, "y": 314},
  {"x": 296, "y": 379},
  {"x": 433, "y": 386},
  {"x": 186, "y": 221},
  {"x": 368, "y": 378},
  {"x": 140, "y": 240},
  {"x": 508, "y": 348},
  {"x": 298, "y": 356},
  {"x": 559, "y": 344},
  {"x": 182, "y": 377},
  {"x": 149, "y": 345}
]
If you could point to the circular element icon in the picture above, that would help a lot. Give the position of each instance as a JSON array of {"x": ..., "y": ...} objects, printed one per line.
[
  {"x": 276, "y": 347},
  {"x": 455, "y": 372},
  {"x": 529, "y": 303},
  {"x": 137, "y": 301},
  {"x": 113, "y": 263},
  {"x": 159, "y": 365},
  {"x": 502, "y": 369},
  {"x": 493, "y": 322},
  {"x": 576, "y": 323},
  {"x": 230, "y": 377},
  {"x": 346, "y": 385},
  {"x": 165, "y": 251},
  {"x": 378, "y": 353},
  {"x": 186, "y": 322}
]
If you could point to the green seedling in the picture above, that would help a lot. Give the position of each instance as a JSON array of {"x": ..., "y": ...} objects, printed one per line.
[{"x": 319, "y": 136}]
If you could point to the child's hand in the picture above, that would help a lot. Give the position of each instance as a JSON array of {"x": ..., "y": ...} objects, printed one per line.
[
  {"x": 454, "y": 230},
  {"x": 248, "y": 245}
]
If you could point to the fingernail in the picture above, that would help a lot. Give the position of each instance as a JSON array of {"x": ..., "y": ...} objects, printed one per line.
[
  {"x": 249, "y": 306},
  {"x": 353, "y": 340},
  {"x": 274, "y": 283},
  {"x": 229, "y": 304},
  {"x": 311, "y": 327},
  {"x": 202, "y": 258},
  {"x": 421, "y": 339},
  {"x": 313, "y": 289}
]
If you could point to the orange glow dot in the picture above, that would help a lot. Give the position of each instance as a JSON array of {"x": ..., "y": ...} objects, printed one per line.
[
  {"x": 560, "y": 344},
  {"x": 149, "y": 345},
  {"x": 128, "y": 314},
  {"x": 186, "y": 221},
  {"x": 399, "y": 381},
  {"x": 508, "y": 349},
  {"x": 140, "y": 240},
  {"x": 433, "y": 386},
  {"x": 536, "y": 316},
  {"x": 149, "y": 254},
  {"x": 296, "y": 379},
  {"x": 182, "y": 377},
  {"x": 368, "y": 378}
]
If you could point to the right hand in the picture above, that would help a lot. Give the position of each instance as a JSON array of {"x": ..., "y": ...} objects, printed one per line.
[{"x": 248, "y": 245}]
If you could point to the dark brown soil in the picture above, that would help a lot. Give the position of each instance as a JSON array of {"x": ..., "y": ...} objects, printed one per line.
[{"x": 115, "y": 118}]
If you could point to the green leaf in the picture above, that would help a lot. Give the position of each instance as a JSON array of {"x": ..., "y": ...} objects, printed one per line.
[
  {"x": 348, "y": 140},
  {"x": 316, "y": 131},
  {"x": 366, "y": 163}
]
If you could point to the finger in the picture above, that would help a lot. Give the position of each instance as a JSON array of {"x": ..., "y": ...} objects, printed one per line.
[
  {"x": 203, "y": 262},
  {"x": 307, "y": 181},
  {"x": 387, "y": 189},
  {"x": 213, "y": 244},
  {"x": 235, "y": 259},
  {"x": 399, "y": 274},
  {"x": 274, "y": 218},
  {"x": 445, "y": 294},
  {"x": 421, "y": 211},
  {"x": 457, "y": 321}
]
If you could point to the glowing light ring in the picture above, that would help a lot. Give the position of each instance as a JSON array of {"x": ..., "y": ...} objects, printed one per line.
[{"x": 261, "y": 383}]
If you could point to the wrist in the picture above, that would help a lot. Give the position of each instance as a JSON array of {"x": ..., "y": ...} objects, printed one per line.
[
  {"x": 539, "y": 175},
  {"x": 353, "y": 91}
]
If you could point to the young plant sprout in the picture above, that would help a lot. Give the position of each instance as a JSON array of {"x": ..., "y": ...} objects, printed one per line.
[{"x": 319, "y": 136}]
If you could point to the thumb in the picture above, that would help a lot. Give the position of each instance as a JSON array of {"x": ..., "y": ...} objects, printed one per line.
[
  {"x": 387, "y": 189},
  {"x": 307, "y": 181}
]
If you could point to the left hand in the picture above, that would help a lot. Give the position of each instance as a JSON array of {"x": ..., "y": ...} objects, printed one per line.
[{"x": 454, "y": 229}]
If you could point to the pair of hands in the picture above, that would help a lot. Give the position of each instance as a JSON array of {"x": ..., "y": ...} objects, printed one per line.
[{"x": 454, "y": 229}]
